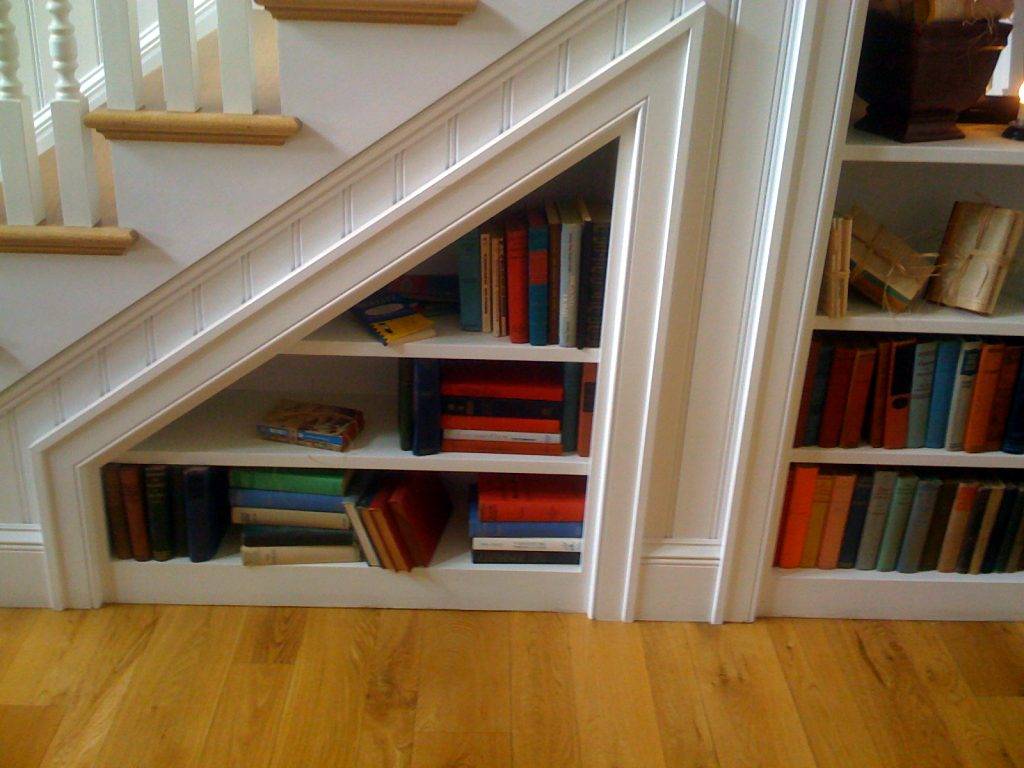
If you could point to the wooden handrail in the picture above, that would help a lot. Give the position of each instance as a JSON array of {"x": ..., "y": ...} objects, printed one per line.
[
  {"x": 437, "y": 12},
  {"x": 201, "y": 127}
]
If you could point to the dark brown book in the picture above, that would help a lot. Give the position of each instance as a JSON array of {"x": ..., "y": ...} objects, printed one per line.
[
  {"x": 937, "y": 526},
  {"x": 880, "y": 396},
  {"x": 1003, "y": 397},
  {"x": 117, "y": 524},
  {"x": 132, "y": 491}
]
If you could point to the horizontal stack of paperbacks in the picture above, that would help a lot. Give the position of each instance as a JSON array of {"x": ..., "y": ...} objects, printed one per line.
[
  {"x": 485, "y": 406},
  {"x": 527, "y": 519},
  {"x": 960, "y": 394},
  {"x": 905, "y": 520}
]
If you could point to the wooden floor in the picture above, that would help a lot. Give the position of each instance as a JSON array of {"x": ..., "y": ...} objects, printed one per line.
[{"x": 197, "y": 686}]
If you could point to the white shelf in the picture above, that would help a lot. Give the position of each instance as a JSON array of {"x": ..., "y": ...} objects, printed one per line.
[
  {"x": 222, "y": 431},
  {"x": 926, "y": 317},
  {"x": 343, "y": 336},
  {"x": 983, "y": 145},
  {"x": 910, "y": 457}
]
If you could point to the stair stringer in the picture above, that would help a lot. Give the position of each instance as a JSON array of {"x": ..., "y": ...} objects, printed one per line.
[{"x": 645, "y": 97}]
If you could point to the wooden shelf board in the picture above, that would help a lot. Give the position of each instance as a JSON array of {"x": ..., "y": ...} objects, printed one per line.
[
  {"x": 222, "y": 431},
  {"x": 926, "y": 317},
  {"x": 983, "y": 145},
  {"x": 343, "y": 336},
  {"x": 910, "y": 457},
  {"x": 852, "y": 574}
]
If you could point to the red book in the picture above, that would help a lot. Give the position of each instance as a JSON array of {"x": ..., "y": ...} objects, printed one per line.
[
  {"x": 857, "y": 399},
  {"x": 796, "y": 516},
  {"x": 420, "y": 507},
  {"x": 135, "y": 510},
  {"x": 388, "y": 529},
  {"x": 990, "y": 365},
  {"x": 502, "y": 378},
  {"x": 517, "y": 258},
  {"x": 1003, "y": 397},
  {"x": 901, "y": 380},
  {"x": 588, "y": 393},
  {"x": 494, "y": 446},
  {"x": 805, "y": 397},
  {"x": 880, "y": 396},
  {"x": 836, "y": 395},
  {"x": 501, "y": 424},
  {"x": 113, "y": 501},
  {"x": 554, "y": 268},
  {"x": 531, "y": 498}
]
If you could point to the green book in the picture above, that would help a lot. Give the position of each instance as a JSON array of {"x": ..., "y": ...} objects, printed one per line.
[
  {"x": 896, "y": 521},
  {"x": 405, "y": 414},
  {"x": 158, "y": 511},
  {"x": 326, "y": 482}
]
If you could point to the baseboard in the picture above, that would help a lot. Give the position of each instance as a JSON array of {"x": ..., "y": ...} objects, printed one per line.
[
  {"x": 677, "y": 581},
  {"x": 22, "y": 567}
]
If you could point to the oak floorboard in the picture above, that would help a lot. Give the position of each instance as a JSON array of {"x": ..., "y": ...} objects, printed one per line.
[
  {"x": 432, "y": 749},
  {"x": 990, "y": 656},
  {"x": 56, "y": 643},
  {"x": 25, "y": 733},
  {"x": 14, "y": 626},
  {"x": 1006, "y": 714},
  {"x": 271, "y": 635}
]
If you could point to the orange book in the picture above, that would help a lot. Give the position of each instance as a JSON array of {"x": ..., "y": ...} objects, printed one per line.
[
  {"x": 897, "y": 406},
  {"x": 835, "y": 520},
  {"x": 857, "y": 399},
  {"x": 501, "y": 424},
  {"x": 820, "y": 502},
  {"x": 486, "y": 446},
  {"x": 1003, "y": 397},
  {"x": 956, "y": 528},
  {"x": 588, "y": 395},
  {"x": 989, "y": 365},
  {"x": 793, "y": 532},
  {"x": 370, "y": 522},
  {"x": 880, "y": 395},
  {"x": 531, "y": 498}
]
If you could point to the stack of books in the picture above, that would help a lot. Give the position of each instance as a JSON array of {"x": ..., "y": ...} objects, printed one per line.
[
  {"x": 293, "y": 516},
  {"x": 312, "y": 424},
  {"x": 527, "y": 518},
  {"x": 960, "y": 394},
  {"x": 480, "y": 406},
  {"x": 157, "y": 512},
  {"x": 908, "y": 521}
]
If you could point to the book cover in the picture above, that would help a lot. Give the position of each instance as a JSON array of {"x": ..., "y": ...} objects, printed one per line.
[
  {"x": 855, "y": 520},
  {"x": 497, "y": 436},
  {"x": 897, "y": 407},
  {"x": 819, "y": 389},
  {"x": 508, "y": 379},
  {"x": 1003, "y": 398},
  {"x": 158, "y": 511},
  {"x": 206, "y": 509},
  {"x": 326, "y": 482},
  {"x": 896, "y": 521},
  {"x": 989, "y": 364},
  {"x": 405, "y": 410},
  {"x": 398, "y": 548},
  {"x": 426, "y": 407},
  {"x": 499, "y": 272},
  {"x": 1007, "y": 508},
  {"x": 299, "y": 555},
  {"x": 857, "y": 397},
  {"x": 599, "y": 215},
  {"x": 880, "y": 394},
  {"x": 929, "y": 560},
  {"x": 516, "y": 530},
  {"x": 1013, "y": 440},
  {"x": 921, "y": 393},
  {"x": 987, "y": 525},
  {"x": 835, "y": 398},
  {"x": 179, "y": 520},
  {"x": 506, "y": 498},
  {"x": 420, "y": 507},
  {"x": 133, "y": 498},
  {"x": 963, "y": 388},
  {"x": 537, "y": 239},
  {"x": 530, "y": 544},
  {"x": 311, "y": 502},
  {"x": 874, "y": 520},
  {"x": 361, "y": 492},
  {"x": 501, "y": 446},
  {"x": 820, "y": 501},
  {"x": 569, "y": 282},
  {"x": 502, "y": 408},
  {"x": 1013, "y": 529},
  {"x": 524, "y": 557},
  {"x": 117, "y": 523},
  {"x": 467, "y": 250},
  {"x": 572, "y": 378},
  {"x": 312, "y": 424},
  {"x": 554, "y": 268},
  {"x": 946, "y": 356},
  {"x": 299, "y": 518},
  {"x": 393, "y": 319},
  {"x": 959, "y": 518},
  {"x": 918, "y": 524},
  {"x": 501, "y": 424},
  {"x": 982, "y": 502},
  {"x": 369, "y": 519},
  {"x": 804, "y": 411},
  {"x": 488, "y": 282},
  {"x": 835, "y": 519},
  {"x": 796, "y": 516},
  {"x": 294, "y": 536},
  {"x": 517, "y": 257},
  {"x": 588, "y": 396}
]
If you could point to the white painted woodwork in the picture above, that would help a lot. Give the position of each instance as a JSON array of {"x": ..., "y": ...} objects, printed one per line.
[
  {"x": 983, "y": 145},
  {"x": 19, "y": 159},
  {"x": 907, "y": 457},
  {"x": 122, "y": 56},
  {"x": 178, "y": 54},
  {"x": 862, "y": 315},
  {"x": 234, "y": 39}
]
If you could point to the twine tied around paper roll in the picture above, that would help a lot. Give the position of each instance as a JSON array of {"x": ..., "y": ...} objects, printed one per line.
[
  {"x": 917, "y": 272},
  {"x": 952, "y": 272}
]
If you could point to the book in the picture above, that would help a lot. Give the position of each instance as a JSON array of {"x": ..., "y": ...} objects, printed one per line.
[
  {"x": 946, "y": 355},
  {"x": 883, "y": 267},
  {"x": 502, "y": 408},
  {"x": 896, "y": 521},
  {"x": 897, "y": 406},
  {"x": 395, "y": 554},
  {"x": 299, "y": 555},
  {"x": 393, "y": 319},
  {"x": 569, "y": 267},
  {"x": 377, "y": 553},
  {"x": 835, "y": 398},
  {"x": 1013, "y": 439},
  {"x": 918, "y": 524},
  {"x": 820, "y": 501},
  {"x": 1015, "y": 562},
  {"x": 312, "y": 424},
  {"x": 179, "y": 520},
  {"x": 158, "y": 511},
  {"x": 359, "y": 494},
  {"x": 855, "y": 520},
  {"x": 499, "y": 279},
  {"x": 506, "y": 379},
  {"x": 818, "y": 392},
  {"x": 921, "y": 393},
  {"x": 255, "y": 535},
  {"x": 875, "y": 519},
  {"x": 518, "y": 529},
  {"x": 929, "y": 559},
  {"x": 597, "y": 217},
  {"x": 1013, "y": 528},
  {"x": 113, "y": 504},
  {"x": 572, "y": 377},
  {"x": 959, "y": 518},
  {"x": 497, "y": 436},
  {"x": 488, "y": 282},
  {"x": 858, "y": 395},
  {"x": 502, "y": 424},
  {"x": 206, "y": 509},
  {"x": 406, "y": 417},
  {"x": 420, "y": 507},
  {"x": 796, "y": 516},
  {"x": 835, "y": 519},
  {"x": 133, "y": 499},
  {"x": 835, "y": 284},
  {"x": 880, "y": 394},
  {"x": 467, "y": 250},
  {"x": 588, "y": 396},
  {"x": 986, "y": 526},
  {"x": 496, "y": 556},
  {"x": 537, "y": 296},
  {"x": 989, "y": 554},
  {"x": 554, "y": 268},
  {"x": 326, "y": 482},
  {"x": 291, "y": 517},
  {"x": 976, "y": 428},
  {"x": 963, "y": 389},
  {"x": 435, "y": 290},
  {"x": 1003, "y": 397},
  {"x": 501, "y": 446},
  {"x": 531, "y": 544},
  {"x": 531, "y": 498},
  {"x": 813, "y": 354},
  {"x": 426, "y": 407},
  {"x": 518, "y": 259},
  {"x": 989, "y": 495},
  {"x": 310, "y": 502}
]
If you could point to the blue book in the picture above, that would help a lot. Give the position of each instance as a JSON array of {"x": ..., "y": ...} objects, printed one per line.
[
  {"x": 918, "y": 525},
  {"x": 426, "y": 407},
  {"x": 946, "y": 356},
  {"x": 1013, "y": 440},
  {"x": 896, "y": 521},
  {"x": 516, "y": 530},
  {"x": 206, "y": 510},
  {"x": 819, "y": 389},
  {"x": 920, "y": 393},
  {"x": 309, "y": 502},
  {"x": 467, "y": 249},
  {"x": 572, "y": 375},
  {"x": 855, "y": 520},
  {"x": 537, "y": 295}
]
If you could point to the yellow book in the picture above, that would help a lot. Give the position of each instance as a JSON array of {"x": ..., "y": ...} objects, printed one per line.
[{"x": 394, "y": 319}]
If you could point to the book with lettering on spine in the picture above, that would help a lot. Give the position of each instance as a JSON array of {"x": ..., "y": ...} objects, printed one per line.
[
  {"x": 929, "y": 559},
  {"x": 837, "y": 394},
  {"x": 1003, "y": 398},
  {"x": 880, "y": 393},
  {"x": 859, "y": 393},
  {"x": 874, "y": 520},
  {"x": 820, "y": 501},
  {"x": 158, "y": 511},
  {"x": 946, "y": 356},
  {"x": 963, "y": 389},
  {"x": 855, "y": 520},
  {"x": 133, "y": 498},
  {"x": 921, "y": 393},
  {"x": 796, "y": 516},
  {"x": 569, "y": 266},
  {"x": 597, "y": 217},
  {"x": 554, "y": 268},
  {"x": 518, "y": 260},
  {"x": 990, "y": 363},
  {"x": 537, "y": 294},
  {"x": 1000, "y": 526},
  {"x": 918, "y": 525},
  {"x": 835, "y": 520},
  {"x": 959, "y": 518},
  {"x": 328, "y": 482},
  {"x": 901, "y": 381},
  {"x": 985, "y": 527},
  {"x": 896, "y": 521}
]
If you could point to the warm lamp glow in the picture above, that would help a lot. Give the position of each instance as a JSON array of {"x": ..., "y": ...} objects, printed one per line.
[{"x": 1020, "y": 112}]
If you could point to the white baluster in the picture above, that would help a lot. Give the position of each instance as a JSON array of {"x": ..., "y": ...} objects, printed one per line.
[
  {"x": 178, "y": 54},
  {"x": 122, "y": 62},
  {"x": 234, "y": 38},
  {"x": 76, "y": 168},
  {"x": 19, "y": 156}
]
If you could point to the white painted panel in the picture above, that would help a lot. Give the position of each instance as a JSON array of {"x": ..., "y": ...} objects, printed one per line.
[
  {"x": 645, "y": 17},
  {"x": 222, "y": 293},
  {"x": 270, "y": 262},
  {"x": 81, "y": 386},
  {"x": 173, "y": 325},
  {"x": 535, "y": 86},
  {"x": 426, "y": 158},
  {"x": 671, "y": 592},
  {"x": 322, "y": 227},
  {"x": 479, "y": 122},
  {"x": 127, "y": 355},
  {"x": 35, "y": 417},
  {"x": 373, "y": 192},
  {"x": 24, "y": 582},
  {"x": 592, "y": 48},
  {"x": 13, "y": 508}
]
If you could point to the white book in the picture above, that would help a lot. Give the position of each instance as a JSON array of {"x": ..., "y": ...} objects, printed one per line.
[
  {"x": 301, "y": 555},
  {"x": 963, "y": 388},
  {"x": 528, "y": 544},
  {"x": 569, "y": 273},
  {"x": 300, "y": 518},
  {"x": 362, "y": 536},
  {"x": 502, "y": 437}
]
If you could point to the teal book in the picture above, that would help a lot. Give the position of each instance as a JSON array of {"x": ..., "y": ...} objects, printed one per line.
[
  {"x": 874, "y": 521},
  {"x": 537, "y": 272},
  {"x": 158, "y": 511},
  {"x": 572, "y": 374},
  {"x": 327, "y": 482},
  {"x": 946, "y": 356},
  {"x": 921, "y": 393},
  {"x": 896, "y": 521},
  {"x": 918, "y": 525},
  {"x": 467, "y": 250}
]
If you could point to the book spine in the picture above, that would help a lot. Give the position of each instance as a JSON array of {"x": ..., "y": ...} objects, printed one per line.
[
  {"x": 835, "y": 521},
  {"x": 855, "y": 521},
  {"x": 297, "y": 518},
  {"x": 501, "y": 288},
  {"x": 135, "y": 511},
  {"x": 963, "y": 388},
  {"x": 985, "y": 529},
  {"x": 998, "y": 533},
  {"x": 880, "y": 396},
  {"x": 372, "y": 525},
  {"x": 588, "y": 395},
  {"x": 303, "y": 555},
  {"x": 857, "y": 399},
  {"x": 820, "y": 502},
  {"x": 835, "y": 400},
  {"x": 569, "y": 284},
  {"x": 959, "y": 517},
  {"x": 1003, "y": 399},
  {"x": 326, "y": 484},
  {"x": 530, "y": 544},
  {"x": 819, "y": 390},
  {"x": 286, "y": 536},
  {"x": 805, "y": 395},
  {"x": 405, "y": 409},
  {"x": 426, "y": 398},
  {"x": 976, "y": 428},
  {"x": 484, "y": 556},
  {"x": 205, "y": 510},
  {"x": 921, "y": 393},
  {"x": 352, "y": 513},
  {"x": 117, "y": 523},
  {"x": 942, "y": 393},
  {"x": 973, "y": 529},
  {"x": 897, "y": 408},
  {"x": 487, "y": 283},
  {"x": 517, "y": 255},
  {"x": 504, "y": 447},
  {"x": 1013, "y": 530},
  {"x": 488, "y": 435},
  {"x": 554, "y": 278},
  {"x": 596, "y": 275},
  {"x": 538, "y": 280},
  {"x": 179, "y": 519},
  {"x": 583, "y": 289},
  {"x": 572, "y": 375},
  {"x": 513, "y": 530},
  {"x": 309, "y": 502},
  {"x": 929, "y": 559},
  {"x": 498, "y": 424},
  {"x": 1013, "y": 440},
  {"x": 874, "y": 521},
  {"x": 158, "y": 512},
  {"x": 796, "y": 517},
  {"x": 526, "y": 510},
  {"x": 918, "y": 525},
  {"x": 470, "y": 294},
  {"x": 502, "y": 408},
  {"x": 896, "y": 522}
]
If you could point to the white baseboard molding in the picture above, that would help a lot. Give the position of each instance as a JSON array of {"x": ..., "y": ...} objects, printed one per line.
[
  {"x": 677, "y": 580},
  {"x": 22, "y": 567}
]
